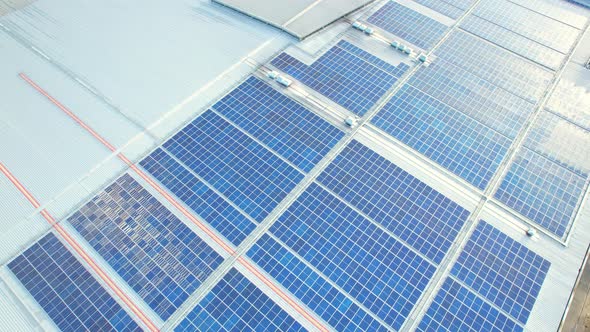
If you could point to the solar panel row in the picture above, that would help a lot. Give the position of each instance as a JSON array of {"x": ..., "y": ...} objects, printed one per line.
[
  {"x": 442, "y": 7},
  {"x": 493, "y": 285},
  {"x": 68, "y": 293},
  {"x": 152, "y": 250},
  {"x": 348, "y": 75},
  {"x": 236, "y": 304},
  {"x": 549, "y": 174},
  {"x": 413, "y": 27}
]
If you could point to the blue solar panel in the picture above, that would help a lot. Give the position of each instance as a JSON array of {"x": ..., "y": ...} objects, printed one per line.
[
  {"x": 404, "y": 205},
  {"x": 372, "y": 266},
  {"x": 294, "y": 132},
  {"x": 336, "y": 308},
  {"x": 442, "y": 7},
  {"x": 243, "y": 170},
  {"x": 501, "y": 270},
  {"x": 349, "y": 76},
  {"x": 460, "y": 144},
  {"x": 496, "y": 65},
  {"x": 456, "y": 308},
  {"x": 513, "y": 41},
  {"x": 408, "y": 24},
  {"x": 571, "y": 101},
  {"x": 548, "y": 175},
  {"x": 160, "y": 257},
  {"x": 69, "y": 294},
  {"x": 475, "y": 97},
  {"x": 563, "y": 11},
  {"x": 236, "y": 304},
  {"x": 529, "y": 24},
  {"x": 221, "y": 215}
]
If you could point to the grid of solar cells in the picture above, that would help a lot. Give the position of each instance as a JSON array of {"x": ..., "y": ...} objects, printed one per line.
[
  {"x": 336, "y": 308},
  {"x": 69, "y": 294},
  {"x": 349, "y": 76},
  {"x": 510, "y": 40},
  {"x": 416, "y": 213},
  {"x": 473, "y": 96},
  {"x": 243, "y": 170},
  {"x": 236, "y": 304},
  {"x": 408, "y": 24},
  {"x": 294, "y": 132},
  {"x": 549, "y": 174},
  {"x": 529, "y": 24},
  {"x": 572, "y": 102},
  {"x": 152, "y": 250},
  {"x": 463, "y": 4},
  {"x": 211, "y": 207},
  {"x": 380, "y": 272},
  {"x": 496, "y": 65},
  {"x": 455, "y": 308},
  {"x": 541, "y": 190},
  {"x": 563, "y": 11},
  {"x": 442, "y": 7},
  {"x": 455, "y": 141},
  {"x": 501, "y": 270}
]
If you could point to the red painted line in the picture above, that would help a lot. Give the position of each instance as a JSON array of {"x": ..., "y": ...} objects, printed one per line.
[
  {"x": 151, "y": 326},
  {"x": 177, "y": 205}
]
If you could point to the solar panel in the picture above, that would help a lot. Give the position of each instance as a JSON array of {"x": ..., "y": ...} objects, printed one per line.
[
  {"x": 513, "y": 41},
  {"x": 501, "y": 270},
  {"x": 475, "y": 97},
  {"x": 279, "y": 122},
  {"x": 243, "y": 170},
  {"x": 416, "y": 213},
  {"x": 572, "y": 102},
  {"x": 408, "y": 24},
  {"x": 328, "y": 302},
  {"x": 68, "y": 293},
  {"x": 442, "y": 7},
  {"x": 563, "y": 11},
  {"x": 372, "y": 266},
  {"x": 549, "y": 173},
  {"x": 456, "y": 308},
  {"x": 346, "y": 74},
  {"x": 458, "y": 143},
  {"x": 529, "y": 24},
  {"x": 496, "y": 65},
  {"x": 210, "y": 206},
  {"x": 236, "y": 304},
  {"x": 152, "y": 250}
]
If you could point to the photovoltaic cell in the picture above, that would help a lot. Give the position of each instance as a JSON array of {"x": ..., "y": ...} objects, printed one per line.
[
  {"x": 288, "y": 128},
  {"x": 346, "y": 74},
  {"x": 513, "y": 41},
  {"x": 69, "y": 294},
  {"x": 563, "y": 11},
  {"x": 477, "y": 98},
  {"x": 571, "y": 101},
  {"x": 152, "y": 250},
  {"x": 404, "y": 205},
  {"x": 243, "y": 170},
  {"x": 458, "y": 143},
  {"x": 501, "y": 270},
  {"x": 380, "y": 272},
  {"x": 408, "y": 24},
  {"x": 333, "y": 306},
  {"x": 236, "y": 304},
  {"x": 211, "y": 207},
  {"x": 549, "y": 174},
  {"x": 529, "y": 24},
  {"x": 496, "y": 65},
  {"x": 456, "y": 308},
  {"x": 442, "y": 7}
]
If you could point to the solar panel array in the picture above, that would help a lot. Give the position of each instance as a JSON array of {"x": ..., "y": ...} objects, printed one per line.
[
  {"x": 381, "y": 252},
  {"x": 572, "y": 102},
  {"x": 548, "y": 176},
  {"x": 446, "y": 8},
  {"x": 236, "y": 304},
  {"x": 152, "y": 250},
  {"x": 404, "y": 22},
  {"x": 493, "y": 286},
  {"x": 68, "y": 293},
  {"x": 348, "y": 75}
]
